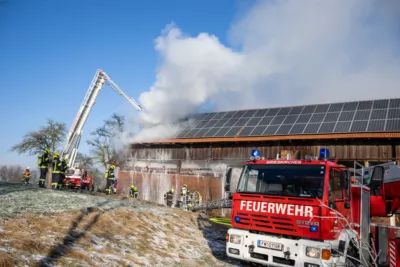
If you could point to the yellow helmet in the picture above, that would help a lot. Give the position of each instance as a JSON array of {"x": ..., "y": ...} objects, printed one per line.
[
  {"x": 184, "y": 185},
  {"x": 57, "y": 155},
  {"x": 172, "y": 190},
  {"x": 47, "y": 150},
  {"x": 132, "y": 186}
]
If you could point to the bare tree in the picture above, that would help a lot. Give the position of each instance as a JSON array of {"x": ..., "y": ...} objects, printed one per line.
[
  {"x": 85, "y": 161},
  {"x": 102, "y": 147},
  {"x": 47, "y": 137},
  {"x": 3, "y": 173}
]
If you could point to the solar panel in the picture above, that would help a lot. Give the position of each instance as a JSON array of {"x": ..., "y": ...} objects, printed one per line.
[
  {"x": 182, "y": 133},
  {"x": 211, "y": 132},
  {"x": 222, "y": 131},
  {"x": 394, "y": 113},
  {"x": 296, "y": 110},
  {"x": 394, "y": 103},
  {"x": 359, "y": 126},
  {"x": 284, "y": 111},
  {"x": 365, "y": 105},
  {"x": 246, "y": 131},
  {"x": 261, "y": 113},
  {"x": 331, "y": 117},
  {"x": 230, "y": 122},
  {"x": 362, "y": 116},
  {"x": 346, "y": 116},
  {"x": 298, "y": 128},
  {"x": 250, "y": 113},
  {"x": 322, "y": 108},
  {"x": 211, "y": 123},
  {"x": 258, "y": 131},
  {"x": 278, "y": 120},
  {"x": 232, "y": 114},
  {"x": 191, "y": 133},
  {"x": 327, "y": 127},
  {"x": 376, "y": 126},
  {"x": 220, "y": 115},
  {"x": 350, "y": 106},
  {"x": 336, "y": 107},
  {"x": 242, "y": 122},
  {"x": 342, "y": 127},
  {"x": 253, "y": 122},
  {"x": 309, "y": 109},
  {"x": 266, "y": 121},
  {"x": 232, "y": 132},
  {"x": 272, "y": 112},
  {"x": 378, "y": 104},
  {"x": 221, "y": 123},
  {"x": 271, "y": 130},
  {"x": 201, "y": 133},
  {"x": 304, "y": 118},
  {"x": 317, "y": 117},
  {"x": 312, "y": 128},
  {"x": 284, "y": 129},
  {"x": 238, "y": 114},
  {"x": 378, "y": 114},
  {"x": 393, "y": 125},
  {"x": 290, "y": 119}
]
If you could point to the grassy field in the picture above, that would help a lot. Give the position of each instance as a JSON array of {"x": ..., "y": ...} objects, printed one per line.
[{"x": 42, "y": 227}]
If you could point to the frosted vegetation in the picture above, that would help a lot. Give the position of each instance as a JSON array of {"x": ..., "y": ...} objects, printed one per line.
[{"x": 52, "y": 228}]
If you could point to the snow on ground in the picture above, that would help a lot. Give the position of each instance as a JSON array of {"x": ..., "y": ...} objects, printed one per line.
[{"x": 41, "y": 227}]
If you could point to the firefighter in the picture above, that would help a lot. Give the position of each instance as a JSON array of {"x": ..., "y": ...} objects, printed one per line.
[
  {"x": 64, "y": 168},
  {"x": 43, "y": 163},
  {"x": 57, "y": 167},
  {"x": 110, "y": 176},
  {"x": 169, "y": 196},
  {"x": 133, "y": 192},
  {"x": 27, "y": 176}
]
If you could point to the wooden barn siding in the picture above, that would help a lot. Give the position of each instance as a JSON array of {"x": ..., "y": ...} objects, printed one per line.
[{"x": 355, "y": 150}]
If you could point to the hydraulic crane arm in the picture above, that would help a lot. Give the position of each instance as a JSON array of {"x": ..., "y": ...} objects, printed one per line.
[
  {"x": 116, "y": 88},
  {"x": 74, "y": 135}
]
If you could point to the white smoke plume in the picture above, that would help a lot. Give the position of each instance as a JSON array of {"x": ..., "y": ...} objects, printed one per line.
[{"x": 285, "y": 53}]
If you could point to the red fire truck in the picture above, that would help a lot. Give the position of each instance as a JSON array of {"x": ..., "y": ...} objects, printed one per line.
[
  {"x": 78, "y": 179},
  {"x": 306, "y": 212}
]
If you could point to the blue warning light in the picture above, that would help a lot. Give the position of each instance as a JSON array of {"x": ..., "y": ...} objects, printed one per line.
[
  {"x": 324, "y": 154},
  {"x": 237, "y": 219},
  {"x": 255, "y": 153},
  {"x": 313, "y": 229}
]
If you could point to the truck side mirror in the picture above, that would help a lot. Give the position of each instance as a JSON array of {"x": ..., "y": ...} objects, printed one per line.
[
  {"x": 228, "y": 179},
  {"x": 377, "y": 178},
  {"x": 344, "y": 181},
  {"x": 227, "y": 187}
]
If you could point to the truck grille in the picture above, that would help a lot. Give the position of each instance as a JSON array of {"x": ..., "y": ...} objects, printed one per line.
[
  {"x": 276, "y": 223},
  {"x": 267, "y": 222}
]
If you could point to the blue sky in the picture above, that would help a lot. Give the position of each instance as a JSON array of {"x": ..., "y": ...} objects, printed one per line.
[
  {"x": 284, "y": 53},
  {"x": 50, "y": 50}
]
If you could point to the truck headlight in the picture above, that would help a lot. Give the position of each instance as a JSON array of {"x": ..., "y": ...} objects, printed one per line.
[
  {"x": 313, "y": 252},
  {"x": 235, "y": 239}
]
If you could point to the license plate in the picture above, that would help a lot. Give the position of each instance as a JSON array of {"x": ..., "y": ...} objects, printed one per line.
[{"x": 269, "y": 245}]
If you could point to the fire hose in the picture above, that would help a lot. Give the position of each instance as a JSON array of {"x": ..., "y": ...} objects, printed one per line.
[{"x": 210, "y": 205}]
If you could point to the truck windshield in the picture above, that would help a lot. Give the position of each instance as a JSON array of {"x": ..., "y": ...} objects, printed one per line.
[{"x": 283, "y": 180}]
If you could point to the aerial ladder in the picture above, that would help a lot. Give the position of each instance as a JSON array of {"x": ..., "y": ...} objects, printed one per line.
[{"x": 100, "y": 79}]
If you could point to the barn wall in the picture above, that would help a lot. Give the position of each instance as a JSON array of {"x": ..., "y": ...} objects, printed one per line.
[{"x": 361, "y": 150}]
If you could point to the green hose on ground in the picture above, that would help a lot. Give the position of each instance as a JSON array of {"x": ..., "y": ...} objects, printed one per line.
[{"x": 224, "y": 221}]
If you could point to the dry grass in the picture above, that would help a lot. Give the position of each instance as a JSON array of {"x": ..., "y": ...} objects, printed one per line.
[
  {"x": 105, "y": 233},
  {"x": 6, "y": 260}
]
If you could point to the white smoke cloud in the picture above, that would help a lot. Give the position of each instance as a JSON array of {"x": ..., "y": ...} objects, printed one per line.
[{"x": 286, "y": 53}]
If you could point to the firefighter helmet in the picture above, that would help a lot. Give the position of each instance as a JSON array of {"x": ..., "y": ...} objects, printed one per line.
[{"x": 172, "y": 190}]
